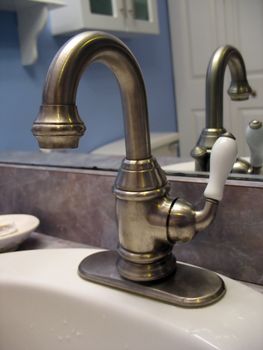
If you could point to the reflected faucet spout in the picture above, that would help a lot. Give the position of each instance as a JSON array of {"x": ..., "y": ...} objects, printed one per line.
[{"x": 239, "y": 89}]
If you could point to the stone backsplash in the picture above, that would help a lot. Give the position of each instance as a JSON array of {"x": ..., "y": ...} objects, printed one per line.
[{"x": 78, "y": 205}]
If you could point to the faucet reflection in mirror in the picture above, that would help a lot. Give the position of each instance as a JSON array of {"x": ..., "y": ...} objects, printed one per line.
[
  {"x": 254, "y": 138},
  {"x": 149, "y": 221},
  {"x": 239, "y": 90}
]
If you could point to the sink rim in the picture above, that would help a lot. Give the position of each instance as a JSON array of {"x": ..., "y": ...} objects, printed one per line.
[{"x": 55, "y": 271}]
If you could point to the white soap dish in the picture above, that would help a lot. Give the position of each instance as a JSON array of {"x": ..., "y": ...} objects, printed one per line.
[
  {"x": 6, "y": 227},
  {"x": 14, "y": 229}
]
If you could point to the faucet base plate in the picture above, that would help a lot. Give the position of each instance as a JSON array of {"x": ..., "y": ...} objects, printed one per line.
[{"x": 189, "y": 286}]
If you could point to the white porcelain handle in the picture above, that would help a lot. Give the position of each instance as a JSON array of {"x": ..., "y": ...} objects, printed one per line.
[
  {"x": 254, "y": 136},
  {"x": 222, "y": 159}
]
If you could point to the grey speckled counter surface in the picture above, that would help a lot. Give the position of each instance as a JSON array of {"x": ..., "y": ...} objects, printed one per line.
[{"x": 42, "y": 241}]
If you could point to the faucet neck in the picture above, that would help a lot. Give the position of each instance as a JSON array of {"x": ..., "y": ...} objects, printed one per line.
[
  {"x": 64, "y": 75},
  {"x": 239, "y": 88},
  {"x": 59, "y": 126}
]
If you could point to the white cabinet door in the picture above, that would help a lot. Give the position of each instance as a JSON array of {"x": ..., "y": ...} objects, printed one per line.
[
  {"x": 129, "y": 16},
  {"x": 106, "y": 14},
  {"x": 88, "y": 14},
  {"x": 198, "y": 27},
  {"x": 142, "y": 16}
]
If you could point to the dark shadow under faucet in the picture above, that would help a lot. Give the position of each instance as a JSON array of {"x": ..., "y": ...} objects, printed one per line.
[{"x": 239, "y": 90}]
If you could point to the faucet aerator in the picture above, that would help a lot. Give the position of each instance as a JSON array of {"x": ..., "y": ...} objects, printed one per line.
[
  {"x": 239, "y": 92},
  {"x": 58, "y": 126}
]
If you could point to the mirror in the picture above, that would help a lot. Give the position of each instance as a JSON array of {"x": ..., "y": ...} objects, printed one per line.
[
  {"x": 197, "y": 29},
  {"x": 98, "y": 94}
]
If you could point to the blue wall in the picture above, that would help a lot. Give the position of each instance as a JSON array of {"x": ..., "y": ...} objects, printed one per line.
[{"x": 21, "y": 87}]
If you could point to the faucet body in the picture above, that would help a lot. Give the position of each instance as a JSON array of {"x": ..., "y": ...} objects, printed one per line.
[
  {"x": 239, "y": 90},
  {"x": 149, "y": 221}
]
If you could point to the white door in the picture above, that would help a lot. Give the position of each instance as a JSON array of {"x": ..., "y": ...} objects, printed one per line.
[{"x": 198, "y": 27}]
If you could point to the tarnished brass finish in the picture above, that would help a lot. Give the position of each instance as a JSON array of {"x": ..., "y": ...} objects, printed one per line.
[
  {"x": 149, "y": 221},
  {"x": 185, "y": 222},
  {"x": 146, "y": 173},
  {"x": 53, "y": 129},
  {"x": 242, "y": 166},
  {"x": 188, "y": 287},
  {"x": 59, "y": 110},
  {"x": 255, "y": 124},
  {"x": 239, "y": 90}
]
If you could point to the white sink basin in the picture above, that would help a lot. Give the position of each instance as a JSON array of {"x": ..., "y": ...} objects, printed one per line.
[{"x": 45, "y": 305}]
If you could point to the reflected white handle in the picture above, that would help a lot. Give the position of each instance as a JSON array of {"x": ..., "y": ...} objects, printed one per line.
[
  {"x": 254, "y": 136},
  {"x": 222, "y": 159}
]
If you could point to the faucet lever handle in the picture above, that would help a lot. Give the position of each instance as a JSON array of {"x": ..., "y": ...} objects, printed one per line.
[
  {"x": 223, "y": 156},
  {"x": 254, "y": 137}
]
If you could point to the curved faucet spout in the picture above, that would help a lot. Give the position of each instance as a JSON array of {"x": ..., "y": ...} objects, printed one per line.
[
  {"x": 59, "y": 125},
  {"x": 238, "y": 90}
]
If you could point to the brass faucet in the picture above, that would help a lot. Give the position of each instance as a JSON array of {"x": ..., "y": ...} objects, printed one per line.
[
  {"x": 149, "y": 221},
  {"x": 239, "y": 90}
]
